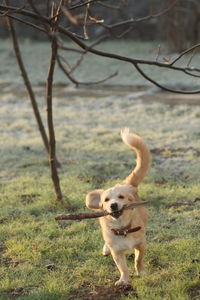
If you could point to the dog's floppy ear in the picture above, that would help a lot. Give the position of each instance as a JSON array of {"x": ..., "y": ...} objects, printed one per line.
[
  {"x": 132, "y": 195},
  {"x": 93, "y": 199}
]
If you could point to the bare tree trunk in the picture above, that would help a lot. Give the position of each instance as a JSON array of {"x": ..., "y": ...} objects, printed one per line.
[
  {"x": 52, "y": 140},
  {"x": 28, "y": 84},
  {"x": 50, "y": 144}
]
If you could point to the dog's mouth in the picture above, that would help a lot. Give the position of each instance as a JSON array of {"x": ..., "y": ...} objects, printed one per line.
[{"x": 116, "y": 214}]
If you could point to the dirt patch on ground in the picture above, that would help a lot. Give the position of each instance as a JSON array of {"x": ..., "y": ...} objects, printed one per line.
[
  {"x": 86, "y": 292},
  {"x": 171, "y": 99},
  {"x": 177, "y": 152},
  {"x": 19, "y": 292},
  {"x": 194, "y": 291},
  {"x": 147, "y": 95}
]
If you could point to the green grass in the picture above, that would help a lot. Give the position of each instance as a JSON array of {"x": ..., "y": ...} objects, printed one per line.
[
  {"x": 31, "y": 240},
  {"x": 43, "y": 259}
]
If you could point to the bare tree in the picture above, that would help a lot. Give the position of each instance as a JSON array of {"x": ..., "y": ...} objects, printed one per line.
[
  {"x": 80, "y": 18},
  {"x": 28, "y": 85},
  {"x": 49, "y": 87}
]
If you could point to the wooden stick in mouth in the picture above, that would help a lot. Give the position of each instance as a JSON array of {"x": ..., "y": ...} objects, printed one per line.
[{"x": 82, "y": 216}]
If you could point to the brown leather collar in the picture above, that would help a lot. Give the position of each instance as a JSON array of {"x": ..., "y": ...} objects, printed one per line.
[{"x": 125, "y": 230}]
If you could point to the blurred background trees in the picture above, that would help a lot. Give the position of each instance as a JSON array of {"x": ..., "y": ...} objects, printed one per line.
[{"x": 180, "y": 27}]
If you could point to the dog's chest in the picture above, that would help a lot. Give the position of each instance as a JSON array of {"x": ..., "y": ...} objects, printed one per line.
[{"x": 122, "y": 243}]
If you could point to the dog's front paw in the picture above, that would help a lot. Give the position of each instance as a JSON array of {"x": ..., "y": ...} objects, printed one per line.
[
  {"x": 106, "y": 250},
  {"x": 121, "y": 282}
]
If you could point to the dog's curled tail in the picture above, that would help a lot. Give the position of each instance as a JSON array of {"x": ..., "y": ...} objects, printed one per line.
[{"x": 143, "y": 157}]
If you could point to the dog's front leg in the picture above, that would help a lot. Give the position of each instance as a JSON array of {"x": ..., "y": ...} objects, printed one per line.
[{"x": 120, "y": 260}]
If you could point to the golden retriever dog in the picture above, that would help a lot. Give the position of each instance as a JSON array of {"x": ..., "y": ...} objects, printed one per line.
[{"x": 123, "y": 231}]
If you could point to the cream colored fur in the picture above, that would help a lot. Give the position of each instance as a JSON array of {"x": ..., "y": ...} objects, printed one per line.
[{"x": 120, "y": 194}]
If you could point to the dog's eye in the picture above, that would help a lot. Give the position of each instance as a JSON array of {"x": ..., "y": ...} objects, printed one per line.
[
  {"x": 107, "y": 199},
  {"x": 121, "y": 197}
]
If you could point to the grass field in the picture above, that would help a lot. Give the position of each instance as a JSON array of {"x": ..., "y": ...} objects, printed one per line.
[{"x": 43, "y": 259}]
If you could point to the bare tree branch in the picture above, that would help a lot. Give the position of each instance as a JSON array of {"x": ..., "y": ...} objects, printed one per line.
[
  {"x": 163, "y": 87},
  {"x": 14, "y": 11},
  {"x": 136, "y": 62},
  {"x": 184, "y": 53},
  {"x": 123, "y": 58},
  {"x": 191, "y": 57},
  {"x": 85, "y": 22},
  {"x": 139, "y": 20},
  {"x": 70, "y": 49},
  {"x": 190, "y": 74},
  {"x": 77, "y": 64},
  {"x": 78, "y": 83},
  {"x": 38, "y": 13},
  {"x": 23, "y": 21},
  {"x": 28, "y": 13},
  {"x": 24, "y": 12},
  {"x": 117, "y": 7},
  {"x": 82, "y": 4}
]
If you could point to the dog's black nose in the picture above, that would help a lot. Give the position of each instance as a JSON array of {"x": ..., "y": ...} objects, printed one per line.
[{"x": 114, "y": 206}]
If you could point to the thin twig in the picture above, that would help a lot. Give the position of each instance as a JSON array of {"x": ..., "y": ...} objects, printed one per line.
[
  {"x": 77, "y": 64},
  {"x": 82, "y": 4},
  {"x": 24, "y": 12},
  {"x": 85, "y": 22},
  {"x": 117, "y": 7},
  {"x": 139, "y": 20},
  {"x": 190, "y": 74},
  {"x": 191, "y": 57},
  {"x": 38, "y": 13},
  {"x": 70, "y": 49},
  {"x": 178, "y": 204},
  {"x": 24, "y": 22},
  {"x": 184, "y": 53},
  {"x": 164, "y": 87},
  {"x": 65, "y": 62},
  {"x": 128, "y": 30},
  {"x": 158, "y": 53},
  {"x": 14, "y": 11},
  {"x": 78, "y": 83}
]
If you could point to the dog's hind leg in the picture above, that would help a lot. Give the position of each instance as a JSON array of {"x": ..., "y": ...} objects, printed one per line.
[
  {"x": 139, "y": 254},
  {"x": 106, "y": 250}
]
